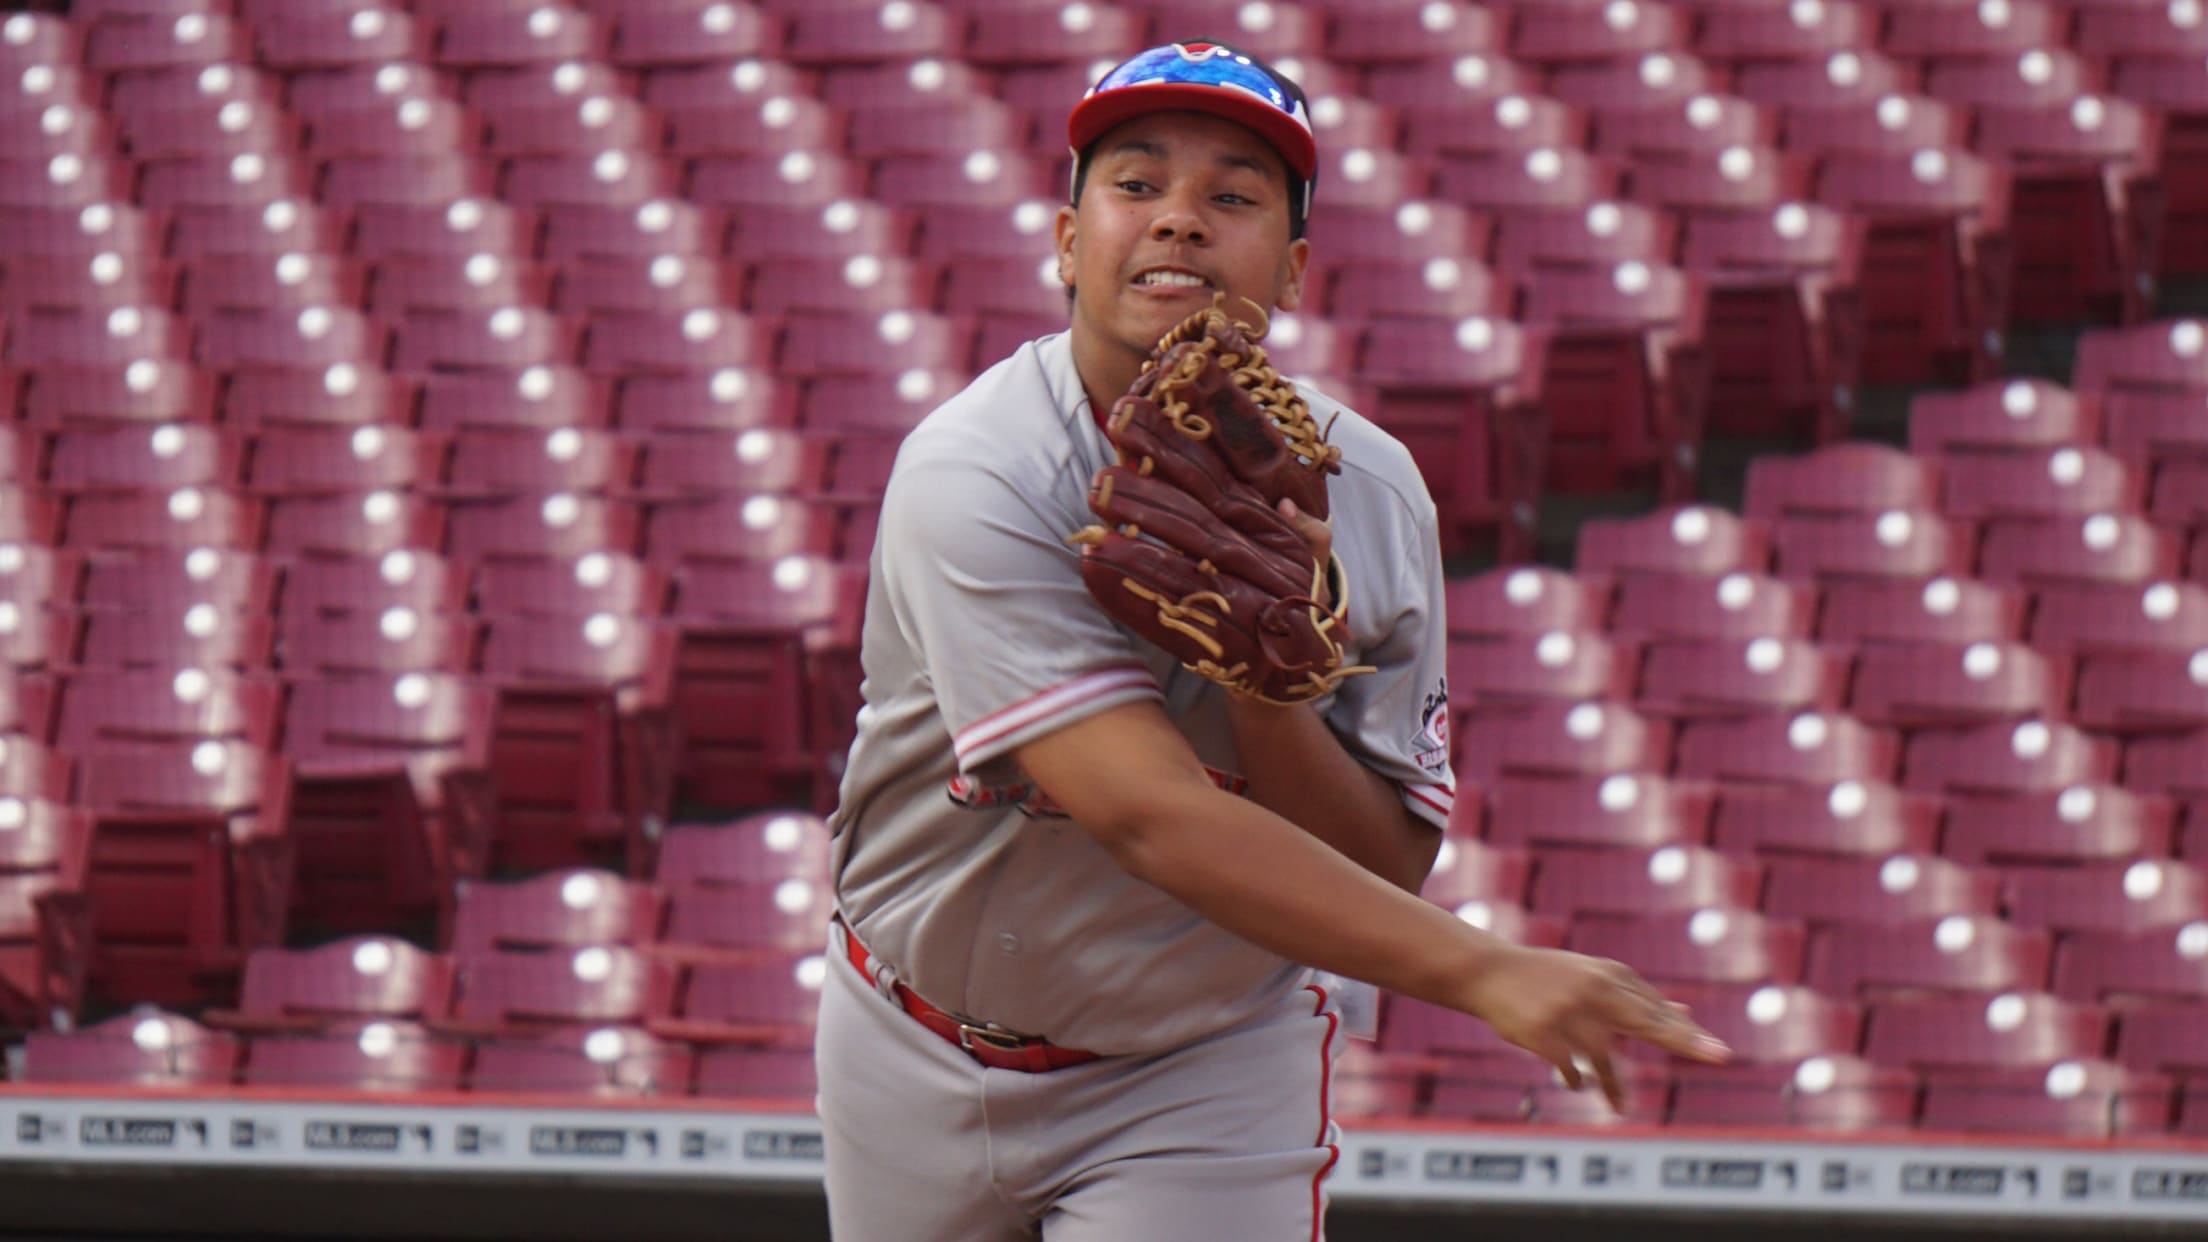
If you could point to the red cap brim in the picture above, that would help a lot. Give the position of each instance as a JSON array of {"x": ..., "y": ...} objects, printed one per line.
[{"x": 1095, "y": 116}]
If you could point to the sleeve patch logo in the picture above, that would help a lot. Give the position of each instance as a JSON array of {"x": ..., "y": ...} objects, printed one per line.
[{"x": 1430, "y": 748}]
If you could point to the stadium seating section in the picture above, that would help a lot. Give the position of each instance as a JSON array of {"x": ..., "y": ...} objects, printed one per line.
[{"x": 443, "y": 440}]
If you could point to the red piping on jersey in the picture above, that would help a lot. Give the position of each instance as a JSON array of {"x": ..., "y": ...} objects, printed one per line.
[
  {"x": 1419, "y": 792},
  {"x": 993, "y": 727},
  {"x": 1326, "y": 1119}
]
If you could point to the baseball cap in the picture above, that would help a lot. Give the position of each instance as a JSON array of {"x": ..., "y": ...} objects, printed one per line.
[{"x": 1204, "y": 75}]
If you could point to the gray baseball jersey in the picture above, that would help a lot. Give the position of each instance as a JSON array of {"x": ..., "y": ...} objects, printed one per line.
[{"x": 952, "y": 869}]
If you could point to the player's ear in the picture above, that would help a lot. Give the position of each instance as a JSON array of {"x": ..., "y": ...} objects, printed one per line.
[
  {"x": 1065, "y": 225},
  {"x": 1292, "y": 266}
]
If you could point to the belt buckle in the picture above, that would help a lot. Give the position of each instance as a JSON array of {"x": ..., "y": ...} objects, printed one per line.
[{"x": 1002, "y": 1041}]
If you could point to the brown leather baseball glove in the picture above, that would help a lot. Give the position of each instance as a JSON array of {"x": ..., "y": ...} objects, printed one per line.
[{"x": 1193, "y": 552}]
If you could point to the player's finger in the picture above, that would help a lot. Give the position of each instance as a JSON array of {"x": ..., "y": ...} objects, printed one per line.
[
  {"x": 1559, "y": 1054},
  {"x": 1595, "y": 1054},
  {"x": 1643, "y": 1013}
]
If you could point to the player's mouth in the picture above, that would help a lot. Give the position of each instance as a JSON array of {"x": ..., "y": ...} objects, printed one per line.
[{"x": 1169, "y": 281}]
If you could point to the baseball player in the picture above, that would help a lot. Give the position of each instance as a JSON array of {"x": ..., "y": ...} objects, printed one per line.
[{"x": 1082, "y": 888}]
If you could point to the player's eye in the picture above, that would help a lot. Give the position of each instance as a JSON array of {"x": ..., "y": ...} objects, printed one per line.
[{"x": 1133, "y": 185}]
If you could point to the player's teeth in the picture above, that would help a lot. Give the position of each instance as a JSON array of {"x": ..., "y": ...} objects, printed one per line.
[{"x": 1173, "y": 278}]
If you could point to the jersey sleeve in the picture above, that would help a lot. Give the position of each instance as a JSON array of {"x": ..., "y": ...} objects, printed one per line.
[
  {"x": 1396, "y": 718},
  {"x": 990, "y": 597}
]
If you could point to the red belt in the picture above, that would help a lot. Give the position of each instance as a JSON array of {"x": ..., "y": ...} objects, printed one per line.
[{"x": 995, "y": 1049}]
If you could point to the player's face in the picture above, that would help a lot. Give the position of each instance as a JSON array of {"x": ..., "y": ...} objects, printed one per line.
[{"x": 1178, "y": 206}]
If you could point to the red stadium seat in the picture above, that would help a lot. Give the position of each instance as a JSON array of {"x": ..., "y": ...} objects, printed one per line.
[
  {"x": 2168, "y": 764},
  {"x": 2085, "y": 1098},
  {"x": 1527, "y": 599},
  {"x": 1705, "y": 946},
  {"x": 2013, "y": 1029},
  {"x": 1900, "y": 123},
  {"x": 179, "y": 705},
  {"x": 758, "y": 850},
  {"x": 1898, "y": 889},
  {"x": 771, "y": 1000},
  {"x": 650, "y": 37},
  {"x": 2073, "y": 480},
  {"x": 1722, "y": 676},
  {"x": 1825, "y": 1092},
  {"x": 1692, "y": 539},
  {"x": 789, "y": 916},
  {"x": 2143, "y": 691},
  {"x": 583, "y": 754},
  {"x": 1897, "y": 543},
  {"x": 377, "y": 1056},
  {"x": 728, "y": 398},
  {"x": 189, "y": 866},
  {"x": 354, "y": 524},
  {"x": 1704, "y": 123},
  {"x": 640, "y": 283},
  {"x": 478, "y": 283},
  {"x": 2001, "y": 415},
  {"x": 2102, "y": 547},
  {"x": 2169, "y": 618},
  {"x": 579, "y": 587},
  {"x": 112, "y": 338},
  {"x": 392, "y": 770},
  {"x": 1925, "y": 686},
  {"x": 304, "y": 40},
  {"x": 2087, "y": 205},
  {"x": 466, "y": 226},
  {"x": 1841, "y": 478},
  {"x": 1397, "y": 34},
  {"x": 145, "y": 1047},
  {"x": 320, "y": 460},
  {"x": 1849, "y": 817},
  {"x": 1646, "y": 81},
  {"x": 2155, "y": 964},
  {"x": 1734, "y": 178},
  {"x": 1542, "y": 179},
  {"x": 136, "y": 460},
  {"x": 556, "y": 909},
  {"x": 2079, "y": 824},
  {"x": 520, "y": 994},
  {"x": 342, "y": 393},
  {"x": 1602, "y": 236},
  {"x": 396, "y": 640},
  {"x": 317, "y": 336},
  {"x": 1847, "y": 75},
  {"x": 605, "y": 1061},
  {"x": 494, "y": 463},
  {"x": 416, "y": 579},
  {"x": 1560, "y": 739},
  {"x": 1639, "y": 881},
  {"x": 891, "y": 33},
  {"x": 1953, "y": 611},
  {"x": 1555, "y": 665},
  {"x": 1811, "y": 747},
  {"x": 1937, "y": 259},
  {"x": 2107, "y": 897},
  {"x": 338, "y": 985},
  {"x": 2007, "y": 757},
  {"x": 509, "y": 339},
  {"x": 495, "y": 37},
  {"x": 1509, "y": 124},
  {"x": 1622, "y": 810},
  {"x": 1736, "y": 606},
  {"x": 1957, "y": 953},
  {"x": 2167, "y": 1038}
]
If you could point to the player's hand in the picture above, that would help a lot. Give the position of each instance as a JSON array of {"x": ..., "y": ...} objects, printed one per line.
[
  {"x": 1568, "y": 1009},
  {"x": 1317, "y": 535}
]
